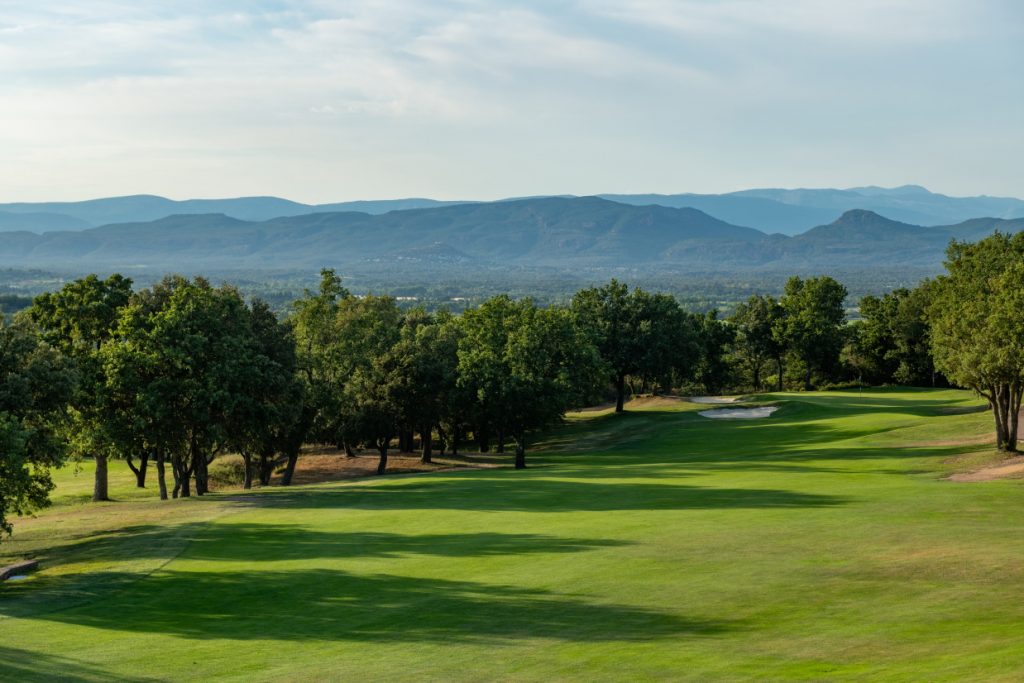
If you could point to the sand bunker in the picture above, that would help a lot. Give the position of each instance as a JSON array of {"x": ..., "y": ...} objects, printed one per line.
[
  {"x": 739, "y": 413},
  {"x": 713, "y": 399}
]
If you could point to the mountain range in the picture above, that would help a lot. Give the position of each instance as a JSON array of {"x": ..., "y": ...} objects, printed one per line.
[
  {"x": 789, "y": 212},
  {"x": 561, "y": 233}
]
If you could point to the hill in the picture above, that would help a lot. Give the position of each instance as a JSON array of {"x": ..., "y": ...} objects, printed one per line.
[{"x": 555, "y": 232}]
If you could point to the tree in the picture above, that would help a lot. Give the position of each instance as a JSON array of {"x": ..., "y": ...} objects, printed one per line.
[
  {"x": 892, "y": 337},
  {"x": 756, "y": 343},
  {"x": 553, "y": 368},
  {"x": 422, "y": 370},
  {"x": 812, "y": 324},
  {"x": 264, "y": 419},
  {"x": 977, "y": 331},
  {"x": 527, "y": 364},
  {"x": 714, "y": 336},
  {"x": 185, "y": 363},
  {"x": 321, "y": 364},
  {"x": 36, "y": 384},
  {"x": 636, "y": 333},
  {"x": 78, "y": 320},
  {"x": 668, "y": 340}
]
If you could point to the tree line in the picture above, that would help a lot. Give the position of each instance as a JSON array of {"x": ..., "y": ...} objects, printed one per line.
[{"x": 170, "y": 376}]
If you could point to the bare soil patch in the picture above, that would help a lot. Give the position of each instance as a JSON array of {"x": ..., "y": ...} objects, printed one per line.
[
  {"x": 979, "y": 440},
  {"x": 1010, "y": 468},
  {"x": 318, "y": 464},
  {"x": 655, "y": 401},
  {"x": 713, "y": 400}
]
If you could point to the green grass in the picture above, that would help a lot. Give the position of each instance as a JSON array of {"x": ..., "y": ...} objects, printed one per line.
[{"x": 656, "y": 545}]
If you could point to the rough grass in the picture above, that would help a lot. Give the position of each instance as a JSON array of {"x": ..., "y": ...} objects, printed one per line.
[{"x": 823, "y": 542}]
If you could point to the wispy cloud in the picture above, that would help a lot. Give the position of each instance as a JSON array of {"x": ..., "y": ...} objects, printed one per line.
[{"x": 329, "y": 100}]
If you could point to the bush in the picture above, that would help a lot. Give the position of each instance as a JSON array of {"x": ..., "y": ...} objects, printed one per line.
[{"x": 227, "y": 471}]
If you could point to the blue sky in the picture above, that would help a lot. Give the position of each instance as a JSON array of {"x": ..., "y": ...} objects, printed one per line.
[{"x": 325, "y": 101}]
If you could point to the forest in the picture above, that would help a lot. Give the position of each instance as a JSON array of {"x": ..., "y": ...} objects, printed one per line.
[{"x": 171, "y": 376}]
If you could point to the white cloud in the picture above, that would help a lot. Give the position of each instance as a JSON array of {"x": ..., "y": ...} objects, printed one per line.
[{"x": 491, "y": 98}]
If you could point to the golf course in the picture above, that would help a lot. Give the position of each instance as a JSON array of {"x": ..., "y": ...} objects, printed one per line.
[{"x": 824, "y": 541}]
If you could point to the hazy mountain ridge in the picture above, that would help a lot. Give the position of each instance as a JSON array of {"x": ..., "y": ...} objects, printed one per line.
[
  {"x": 795, "y": 211},
  {"x": 558, "y": 233},
  {"x": 786, "y": 211}
]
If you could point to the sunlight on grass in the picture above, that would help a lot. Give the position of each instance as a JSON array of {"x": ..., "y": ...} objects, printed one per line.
[{"x": 822, "y": 542}]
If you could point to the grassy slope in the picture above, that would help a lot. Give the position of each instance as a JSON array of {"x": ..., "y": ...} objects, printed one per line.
[{"x": 821, "y": 542}]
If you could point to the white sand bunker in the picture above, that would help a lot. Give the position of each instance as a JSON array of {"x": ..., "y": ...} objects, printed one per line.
[
  {"x": 739, "y": 413},
  {"x": 713, "y": 399}
]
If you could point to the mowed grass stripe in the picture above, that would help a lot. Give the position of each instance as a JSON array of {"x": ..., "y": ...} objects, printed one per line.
[{"x": 822, "y": 542}]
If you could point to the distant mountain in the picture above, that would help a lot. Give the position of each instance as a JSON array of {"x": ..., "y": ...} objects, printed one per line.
[
  {"x": 556, "y": 232},
  {"x": 789, "y": 212},
  {"x": 40, "y": 221},
  {"x": 560, "y": 234},
  {"x": 792, "y": 212},
  {"x": 47, "y": 216}
]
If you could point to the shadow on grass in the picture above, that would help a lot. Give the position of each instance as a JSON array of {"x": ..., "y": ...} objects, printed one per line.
[
  {"x": 249, "y": 542},
  {"x": 534, "y": 492},
  {"x": 324, "y": 605},
  {"x": 22, "y": 665}
]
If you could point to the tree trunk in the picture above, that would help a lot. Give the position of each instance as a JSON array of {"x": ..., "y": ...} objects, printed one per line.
[
  {"x": 501, "y": 440},
  {"x": 199, "y": 468},
  {"x": 778, "y": 362},
  {"x": 1014, "y": 417},
  {"x": 456, "y": 434},
  {"x": 998, "y": 404},
  {"x": 161, "y": 476},
  {"x": 247, "y": 464},
  {"x": 620, "y": 394},
  {"x": 520, "y": 452},
  {"x": 176, "y": 471},
  {"x": 349, "y": 453},
  {"x": 406, "y": 439},
  {"x": 757, "y": 377},
  {"x": 183, "y": 484},
  {"x": 140, "y": 471},
  {"x": 100, "y": 482},
  {"x": 442, "y": 440},
  {"x": 427, "y": 439},
  {"x": 266, "y": 468},
  {"x": 807, "y": 379},
  {"x": 483, "y": 440},
  {"x": 382, "y": 448},
  {"x": 289, "y": 470}
]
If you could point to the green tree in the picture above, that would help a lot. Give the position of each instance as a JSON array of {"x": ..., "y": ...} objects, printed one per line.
[
  {"x": 893, "y": 337},
  {"x": 714, "y": 337},
  {"x": 527, "y": 364},
  {"x": 36, "y": 384},
  {"x": 422, "y": 367},
  {"x": 78, "y": 320},
  {"x": 977, "y": 331},
  {"x": 266, "y": 415},
  {"x": 812, "y": 324},
  {"x": 756, "y": 343},
  {"x": 322, "y": 367},
  {"x": 184, "y": 363},
  {"x": 637, "y": 333}
]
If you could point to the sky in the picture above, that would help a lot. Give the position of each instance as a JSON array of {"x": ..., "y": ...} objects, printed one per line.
[{"x": 318, "y": 100}]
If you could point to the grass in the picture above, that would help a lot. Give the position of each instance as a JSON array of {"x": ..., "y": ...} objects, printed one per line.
[{"x": 823, "y": 542}]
